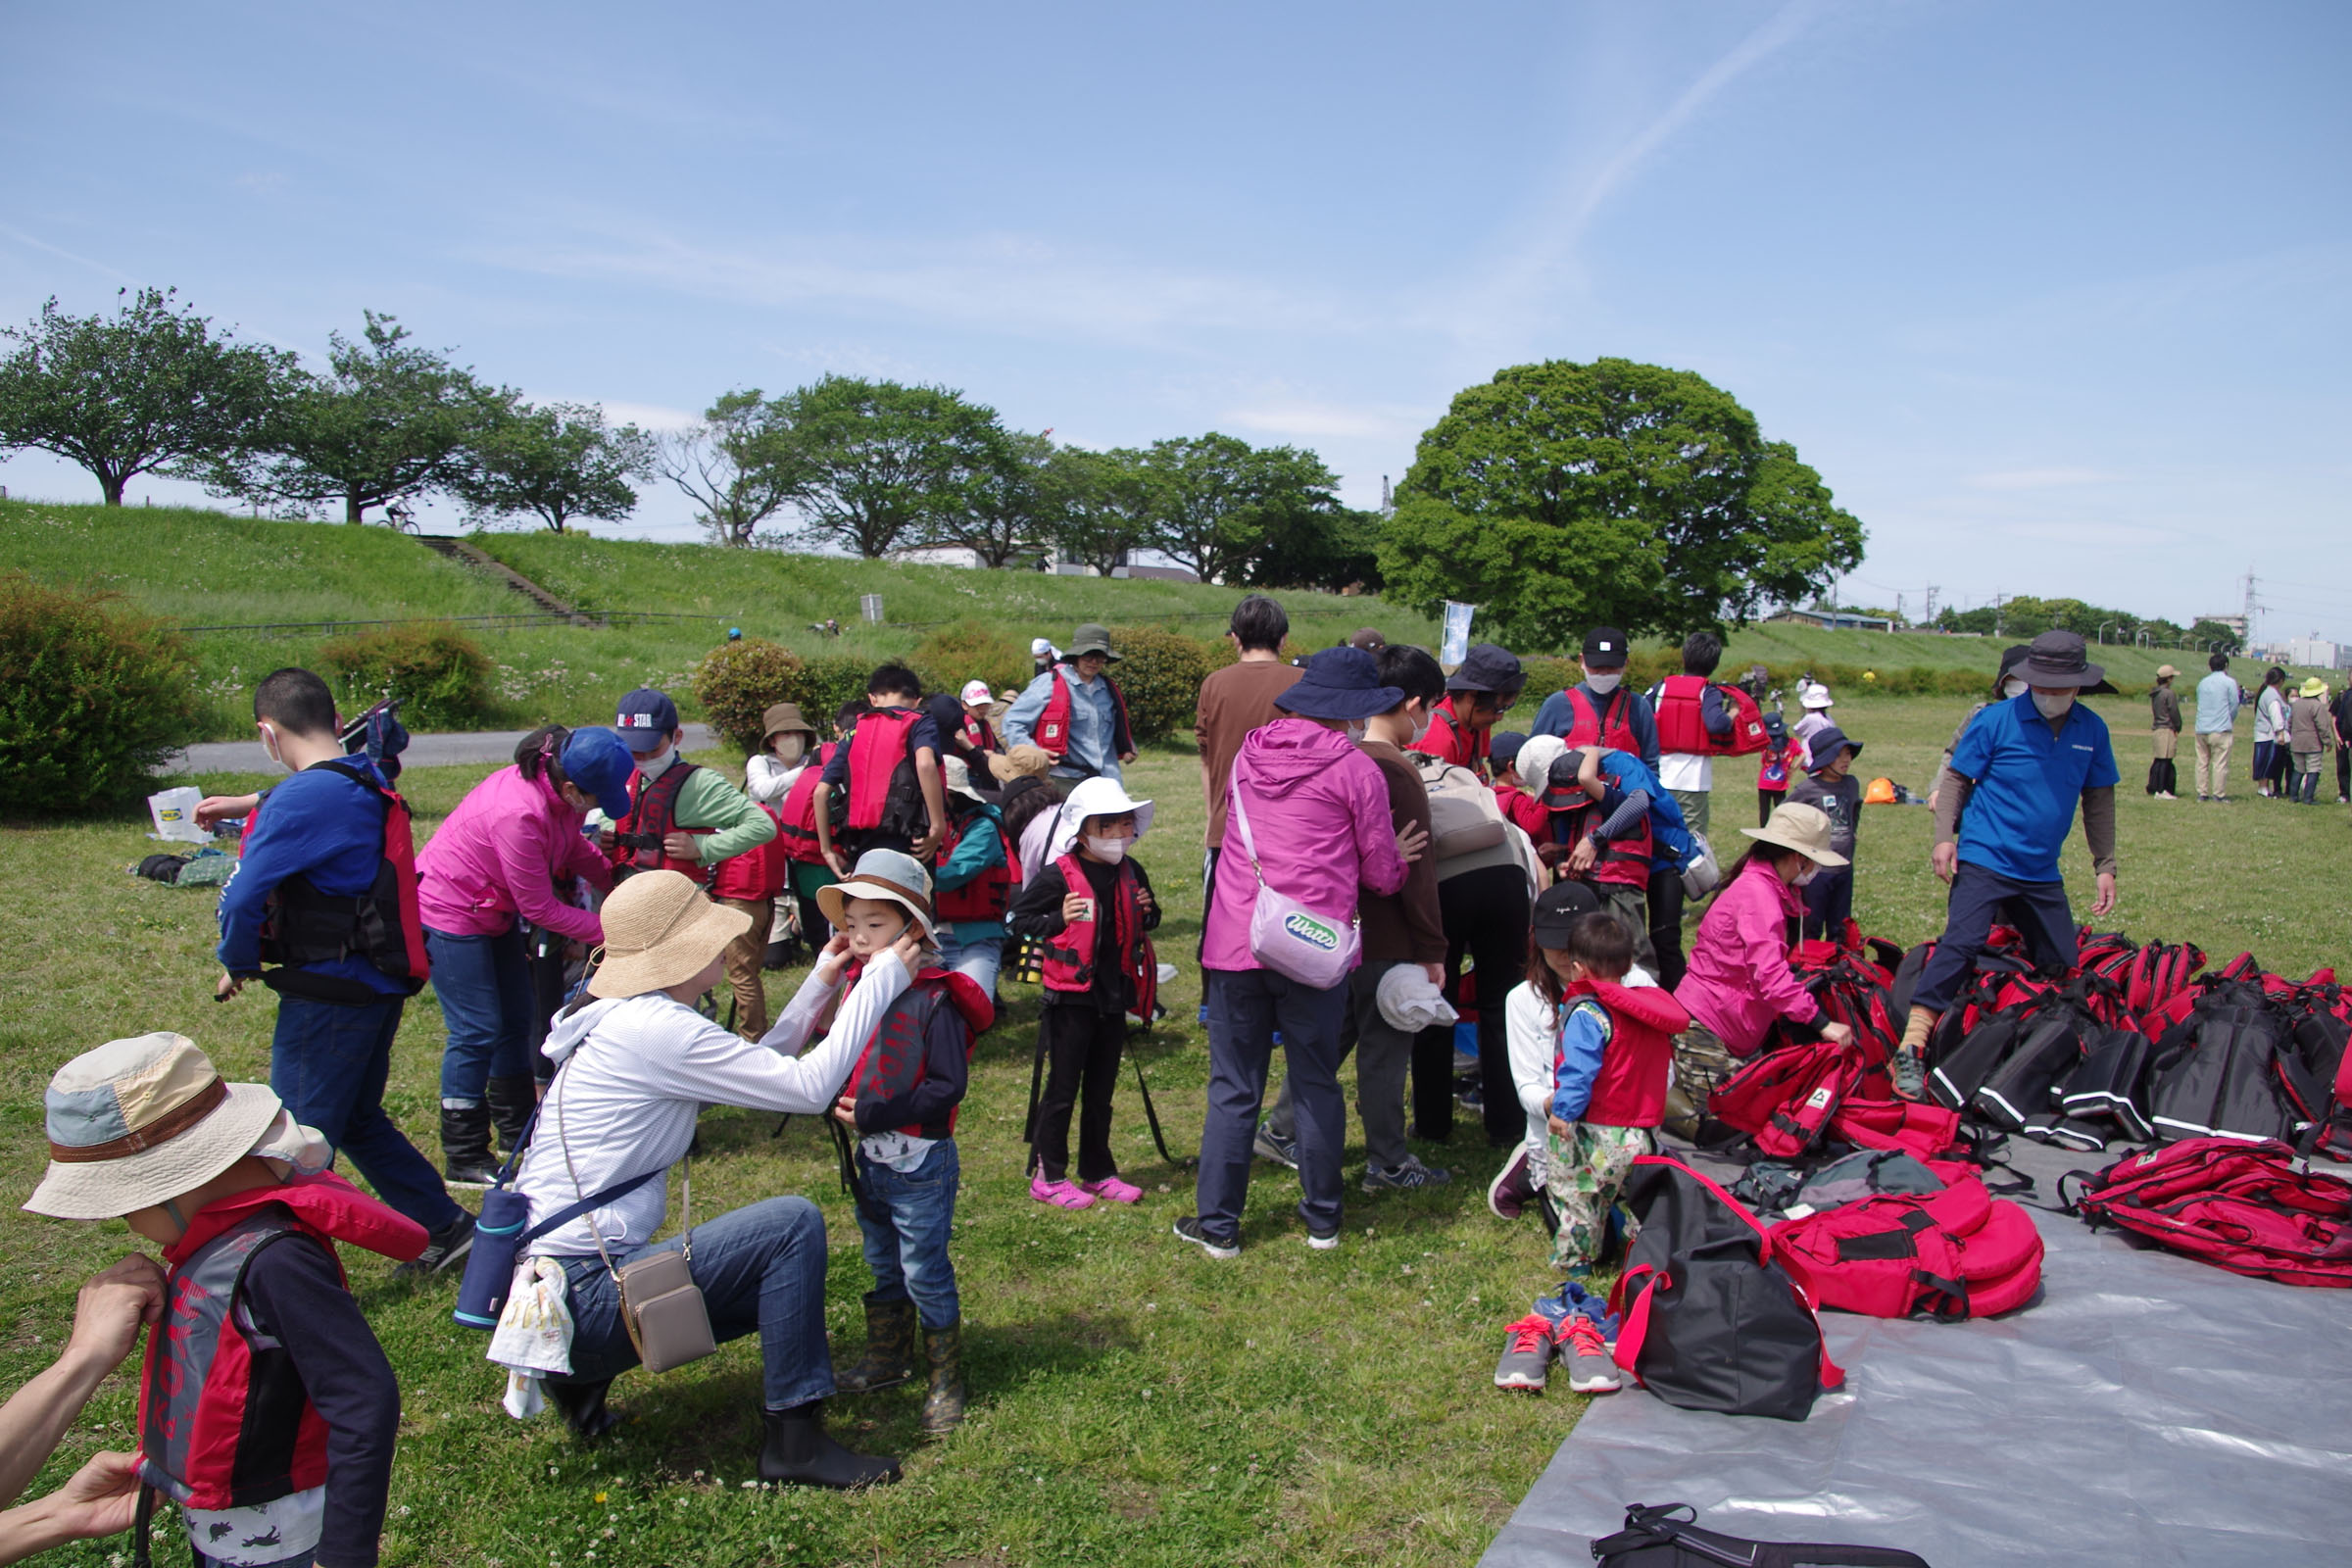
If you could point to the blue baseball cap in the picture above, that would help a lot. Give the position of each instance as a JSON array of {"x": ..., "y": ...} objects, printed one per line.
[
  {"x": 597, "y": 764},
  {"x": 647, "y": 717}
]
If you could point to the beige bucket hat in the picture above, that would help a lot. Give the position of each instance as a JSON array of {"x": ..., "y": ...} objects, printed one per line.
[
  {"x": 1802, "y": 828},
  {"x": 890, "y": 876},
  {"x": 659, "y": 930}
]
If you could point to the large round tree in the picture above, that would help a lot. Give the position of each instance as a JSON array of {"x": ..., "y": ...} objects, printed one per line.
[{"x": 1560, "y": 496}]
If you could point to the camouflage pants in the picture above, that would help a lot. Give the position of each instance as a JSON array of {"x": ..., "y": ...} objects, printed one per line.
[
  {"x": 1584, "y": 1171},
  {"x": 1701, "y": 1065}
]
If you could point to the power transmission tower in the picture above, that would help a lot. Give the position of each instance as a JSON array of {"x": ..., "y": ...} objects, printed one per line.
[
  {"x": 2251, "y": 608},
  {"x": 1930, "y": 614}
]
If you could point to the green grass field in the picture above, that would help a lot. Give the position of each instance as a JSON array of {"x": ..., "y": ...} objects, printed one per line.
[{"x": 1133, "y": 1401}]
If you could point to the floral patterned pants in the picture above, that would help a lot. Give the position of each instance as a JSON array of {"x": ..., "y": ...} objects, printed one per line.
[{"x": 1586, "y": 1171}]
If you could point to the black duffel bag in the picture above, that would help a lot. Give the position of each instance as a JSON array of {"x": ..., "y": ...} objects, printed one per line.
[{"x": 1654, "y": 1538}]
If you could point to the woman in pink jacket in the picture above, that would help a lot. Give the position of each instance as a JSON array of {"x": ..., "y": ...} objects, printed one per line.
[
  {"x": 512, "y": 847},
  {"x": 1738, "y": 983}
]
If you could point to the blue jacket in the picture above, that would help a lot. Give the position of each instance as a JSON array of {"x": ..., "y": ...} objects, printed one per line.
[{"x": 322, "y": 824}]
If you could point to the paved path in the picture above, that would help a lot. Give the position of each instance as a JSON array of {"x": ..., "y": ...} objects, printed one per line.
[{"x": 425, "y": 750}]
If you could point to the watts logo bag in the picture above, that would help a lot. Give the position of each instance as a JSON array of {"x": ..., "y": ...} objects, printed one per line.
[{"x": 1285, "y": 935}]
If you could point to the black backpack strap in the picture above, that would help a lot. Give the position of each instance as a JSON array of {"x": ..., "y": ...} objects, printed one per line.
[
  {"x": 1648, "y": 1526},
  {"x": 571, "y": 1211}
]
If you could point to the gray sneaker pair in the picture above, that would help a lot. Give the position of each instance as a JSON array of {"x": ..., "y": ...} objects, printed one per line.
[{"x": 1404, "y": 1178}]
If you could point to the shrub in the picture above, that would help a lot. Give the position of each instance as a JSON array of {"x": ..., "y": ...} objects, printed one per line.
[
  {"x": 737, "y": 682},
  {"x": 440, "y": 675},
  {"x": 827, "y": 681},
  {"x": 1160, "y": 673},
  {"x": 92, "y": 696},
  {"x": 953, "y": 655}
]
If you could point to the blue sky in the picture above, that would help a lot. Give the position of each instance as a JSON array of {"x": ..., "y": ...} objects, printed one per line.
[{"x": 2056, "y": 297}]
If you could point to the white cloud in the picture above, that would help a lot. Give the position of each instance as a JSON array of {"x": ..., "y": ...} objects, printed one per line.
[
  {"x": 2039, "y": 478},
  {"x": 649, "y": 415},
  {"x": 1327, "y": 420}
]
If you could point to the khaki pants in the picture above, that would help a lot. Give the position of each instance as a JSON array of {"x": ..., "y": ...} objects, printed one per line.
[
  {"x": 744, "y": 958},
  {"x": 1701, "y": 1065},
  {"x": 1631, "y": 906},
  {"x": 1695, "y": 808},
  {"x": 2168, "y": 744},
  {"x": 2212, "y": 752}
]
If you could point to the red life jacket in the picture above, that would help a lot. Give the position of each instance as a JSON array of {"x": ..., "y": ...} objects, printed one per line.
[
  {"x": 1682, "y": 720},
  {"x": 893, "y": 1062},
  {"x": 224, "y": 1421},
  {"x": 796, "y": 828},
  {"x": 1524, "y": 809},
  {"x": 1449, "y": 740},
  {"x": 653, "y": 816},
  {"x": 1630, "y": 1090},
  {"x": 1624, "y": 860},
  {"x": 986, "y": 895},
  {"x": 883, "y": 791},
  {"x": 978, "y": 734},
  {"x": 1609, "y": 726},
  {"x": 301, "y": 925},
  {"x": 1052, "y": 731},
  {"x": 757, "y": 872},
  {"x": 1771, "y": 773},
  {"x": 1071, "y": 957}
]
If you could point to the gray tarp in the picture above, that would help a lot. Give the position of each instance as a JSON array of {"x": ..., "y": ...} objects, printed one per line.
[{"x": 2146, "y": 1411}]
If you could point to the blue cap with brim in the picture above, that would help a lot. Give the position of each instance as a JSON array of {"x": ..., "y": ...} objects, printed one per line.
[
  {"x": 599, "y": 764},
  {"x": 647, "y": 717}
]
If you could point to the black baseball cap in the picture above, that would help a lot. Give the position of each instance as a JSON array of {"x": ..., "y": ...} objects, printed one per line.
[
  {"x": 1559, "y": 908},
  {"x": 1604, "y": 648},
  {"x": 1488, "y": 668}
]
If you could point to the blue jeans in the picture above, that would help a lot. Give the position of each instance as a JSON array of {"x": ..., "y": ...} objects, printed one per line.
[
  {"x": 908, "y": 1217},
  {"x": 760, "y": 1269},
  {"x": 484, "y": 986},
  {"x": 2038, "y": 910},
  {"x": 980, "y": 956},
  {"x": 328, "y": 1061},
  {"x": 1245, "y": 1008}
]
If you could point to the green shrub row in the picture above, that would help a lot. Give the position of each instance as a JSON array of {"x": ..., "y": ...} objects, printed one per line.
[{"x": 92, "y": 697}]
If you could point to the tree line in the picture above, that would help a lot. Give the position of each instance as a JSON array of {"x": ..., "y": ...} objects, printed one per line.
[{"x": 2023, "y": 617}]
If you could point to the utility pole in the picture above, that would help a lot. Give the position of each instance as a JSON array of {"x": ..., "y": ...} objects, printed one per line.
[
  {"x": 1929, "y": 612},
  {"x": 2250, "y": 608},
  {"x": 2000, "y": 622},
  {"x": 1899, "y": 609}
]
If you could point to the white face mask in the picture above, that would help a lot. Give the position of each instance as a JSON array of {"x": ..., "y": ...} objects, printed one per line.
[
  {"x": 1113, "y": 850},
  {"x": 1603, "y": 682},
  {"x": 1421, "y": 730},
  {"x": 2013, "y": 687},
  {"x": 653, "y": 768},
  {"x": 1356, "y": 730},
  {"x": 1812, "y": 869},
  {"x": 2053, "y": 704},
  {"x": 269, "y": 746}
]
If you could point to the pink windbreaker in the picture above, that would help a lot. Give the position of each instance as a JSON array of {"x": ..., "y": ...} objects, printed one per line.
[
  {"x": 1738, "y": 980},
  {"x": 1319, "y": 815},
  {"x": 507, "y": 846}
]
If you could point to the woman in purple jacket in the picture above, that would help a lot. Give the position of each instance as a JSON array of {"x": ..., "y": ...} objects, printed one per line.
[
  {"x": 512, "y": 847},
  {"x": 1318, "y": 829}
]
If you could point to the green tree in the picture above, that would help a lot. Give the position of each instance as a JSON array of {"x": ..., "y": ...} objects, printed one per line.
[
  {"x": 2220, "y": 637},
  {"x": 1558, "y": 496},
  {"x": 1215, "y": 499},
  {"x": 1326, "y": 547},
  {"x": 730, "y": 466},
  {"x": 556, "y": 461},
  {"x": 152, "y": 389},
  {"x": 878, "y": 466},
  {"x": 1097, "y": 505},
  {"x": 1000, "y": 513},
  {"x": 387, "y": 421}
]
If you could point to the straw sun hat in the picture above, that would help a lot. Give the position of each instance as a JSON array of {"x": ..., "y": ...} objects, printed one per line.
[
  {"x": 1799, "y": 827},
  {"x": 659, "y": 930},
  {"x": 138, "y": 1122}
]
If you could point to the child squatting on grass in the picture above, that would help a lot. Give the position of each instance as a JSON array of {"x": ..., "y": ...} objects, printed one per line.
[{"x": 900, "y": 1101}]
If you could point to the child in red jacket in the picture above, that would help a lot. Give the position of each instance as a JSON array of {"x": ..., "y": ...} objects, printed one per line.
[{"x": 1776, "y": 765}]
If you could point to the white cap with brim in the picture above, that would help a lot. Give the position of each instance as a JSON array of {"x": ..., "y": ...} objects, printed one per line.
[
  {"x": 1802, "y": 828},
  {"x": 1097, "y": 797},
  {"x": 887, "y": 875}
]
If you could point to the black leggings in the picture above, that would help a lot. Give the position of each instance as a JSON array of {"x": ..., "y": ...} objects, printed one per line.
[
  {"x": 1082, "y": 1069},
  {"x": 1486, "y": 913}
]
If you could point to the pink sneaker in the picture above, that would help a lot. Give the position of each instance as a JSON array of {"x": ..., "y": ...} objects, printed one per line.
[
  {"x": 1114, "y": 1189},
  {"x": 1062, "y": 1194}
]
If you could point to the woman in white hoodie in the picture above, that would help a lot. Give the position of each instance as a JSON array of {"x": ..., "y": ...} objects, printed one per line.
[{"x": 634, "y": 1069}]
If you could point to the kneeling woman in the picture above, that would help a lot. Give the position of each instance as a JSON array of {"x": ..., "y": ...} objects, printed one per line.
[{"x": 634, "y": 1068}]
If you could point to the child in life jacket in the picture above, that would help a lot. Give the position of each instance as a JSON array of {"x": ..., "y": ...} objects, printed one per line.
[
  {"x": 900, "y": 1102},
  {"x": 1774, "y": 765},
  {"x": 975, "y": 880},
  {"x": 267, "y": 1408},
  {"x": 682, "y": 817},
  {"x": 887, "y": 775},
  {"x": 1600, "y": 804},
  {"x": 1091, "y": 906},
  {"x": 1613, "y": 1055}
]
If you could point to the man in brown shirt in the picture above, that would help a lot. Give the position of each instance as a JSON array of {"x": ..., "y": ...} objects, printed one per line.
[
  {"x": 1403, "y": 928},
  {"x": 1236, "y": 700}
]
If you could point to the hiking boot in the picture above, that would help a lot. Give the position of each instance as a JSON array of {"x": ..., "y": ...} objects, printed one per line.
[
  {"x": 442, "y": 1248},
  {"x": 1910, "y": 1072},
  {"x": 889, "y": 1358},
  {"x": 466, "y": 1146},
  {"x": 942, "y": 1404},
  {"x": 1270, "y": 1144},
  {"x": 1187, "y": 1229},
  {"x": 512, "y": 1102},
  {"x": 1513, "y": 1187},
  {"x": 1585, "y": 1355},
  {"x": 583, "y": 1406},
  {"x": 796, "y": 1452},
  {"x": 1526, "y": 1354},
  {"x": 1405, "y": 1177}
]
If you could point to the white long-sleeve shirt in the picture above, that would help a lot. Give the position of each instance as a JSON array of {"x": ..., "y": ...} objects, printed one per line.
[
  {"x": 767, "y": 780},
  {"x": 634, "y": 1073},
  {"x": 1532, "y": 1029}
]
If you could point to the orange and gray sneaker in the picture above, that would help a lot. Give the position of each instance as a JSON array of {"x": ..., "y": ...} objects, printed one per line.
[
  {"x": 1591, "y": 1370},
  {"x": 1526, "y": 1354}
]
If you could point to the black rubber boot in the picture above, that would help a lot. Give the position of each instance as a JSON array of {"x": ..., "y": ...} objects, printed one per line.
[
  {"x": 511, "y": 1101},
  {"x": 583, "y": 1406},
  {"x": 889, "y": 1358},
  {"x": 943, "y": 1406},
  {"x": 798, "y": 1453},
  {"x": 466, "y": 1146}
]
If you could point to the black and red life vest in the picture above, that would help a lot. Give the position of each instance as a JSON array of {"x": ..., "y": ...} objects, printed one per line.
[
  {"x": 1071, "y": 957},
  {"x": 893, "y": 1062},
  {"x": 987, "y": 896},
  {"x": 653, "y": 817},
  {"x": 757, "y": 873},
  {"x": 884, "y": 794},
  {"x": 301, "y": 925},
  {"x": 1624, "y": 860},
  {"x": 1610, "y": 726},
  {"x": 1052, "y": 731},
  {"x": 1451, "y": 740},
  {"x": 224, "y": 1421},
  {"x": 796, "y": 828}
]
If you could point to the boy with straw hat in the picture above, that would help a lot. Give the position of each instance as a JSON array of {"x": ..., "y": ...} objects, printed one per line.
[{"x": 267, "y": 1409}]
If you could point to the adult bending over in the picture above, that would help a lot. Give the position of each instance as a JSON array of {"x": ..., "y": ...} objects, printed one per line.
[
  {"x": 99, "y": 1498},
  {"x": 634, "y": 1068}
]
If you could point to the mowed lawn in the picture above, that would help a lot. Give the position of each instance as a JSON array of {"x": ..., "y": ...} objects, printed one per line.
[{"x": 1133, "y": 1401}]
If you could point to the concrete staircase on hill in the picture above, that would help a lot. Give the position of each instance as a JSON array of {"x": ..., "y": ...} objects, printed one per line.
[{"x": 467, "y": 555}]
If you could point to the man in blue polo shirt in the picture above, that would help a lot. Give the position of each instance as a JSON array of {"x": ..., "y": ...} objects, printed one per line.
[{"x": 2025, "y": 764}]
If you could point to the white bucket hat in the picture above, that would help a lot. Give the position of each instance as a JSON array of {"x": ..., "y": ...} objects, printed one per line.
[
  {"x": 1095, "y": 797},
  {"x": 137, "y": 1122},
  {"x": 659, "y": 930},
  {"x": 890, "y": 876},
  {"x": 1802, "y": 828},
  {"x": 1535, "y": 761},
  {"x": 1816, "y": 695},
  {"x": 955, "y": 774}
]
